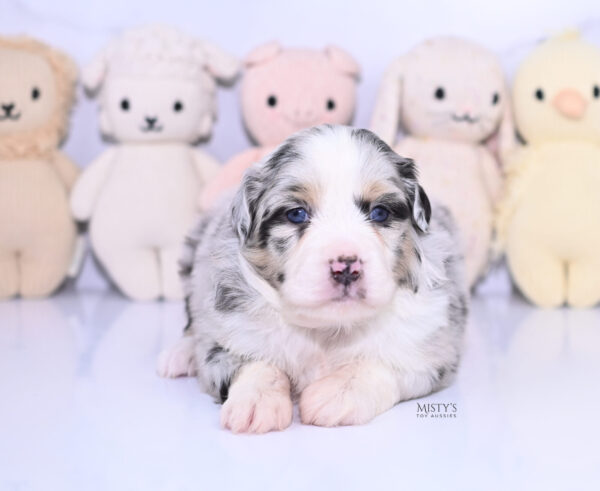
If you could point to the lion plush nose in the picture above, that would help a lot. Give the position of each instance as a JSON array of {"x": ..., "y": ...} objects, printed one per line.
[
  {"x": 7, "y": 108},
  {"x": 570, "y": 103},
  {"x": 345, "y": 269}
]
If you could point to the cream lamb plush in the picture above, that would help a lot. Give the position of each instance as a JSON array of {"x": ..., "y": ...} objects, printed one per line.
[
  {"x": 157, "y": 97},
  {"x": 37, "y": 233},
  {"x": 549, "y": 220},
  {"x": 449, "y": 97},
  {"x": 282, "y": 92}
]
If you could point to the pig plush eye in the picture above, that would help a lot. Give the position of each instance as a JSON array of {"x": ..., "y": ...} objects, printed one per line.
[
  {"x": 330, "y": 104},
  {"x": 272, "y": 101}
]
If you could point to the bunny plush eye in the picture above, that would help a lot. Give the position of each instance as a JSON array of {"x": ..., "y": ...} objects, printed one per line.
[
  {"x": 439, "y": 93},
  {"x": 178, "y": 106},
  {"x": 35, "y": 93},
  {"x": 495, "y": 98},
  {"x": 125, "y": 104}
]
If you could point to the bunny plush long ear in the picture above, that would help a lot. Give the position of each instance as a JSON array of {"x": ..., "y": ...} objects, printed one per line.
[
  {"x": 343, "y": 61},
  {"x": 504, "y": 140},
  {"x": 386, "y": 116},
  {"x": 221, "y": 65}
]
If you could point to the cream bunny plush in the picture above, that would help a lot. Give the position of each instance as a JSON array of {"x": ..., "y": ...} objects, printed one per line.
[
  {"x": 156, "y": 90},
  {"x": 284, "y": 90},
  {"x": 549, "y": 219},
  {"x": 449, "y": 97},
  {"x": 37, "y": 232}
]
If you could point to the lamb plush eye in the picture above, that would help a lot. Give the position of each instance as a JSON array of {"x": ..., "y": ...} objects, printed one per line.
[
  {"x": 596, "y": 91},
  {"x": 379, "y": 214},
  {"x": 178, "y": 106},
  {"x": 35, "y": 93},
  {"x": 495, "y": 98},
  {"x": 330, "y": 104},
  {"x": 125, "y": 104},
  {"x": 297, "y": 215},
  {"x": 272, "y": 101},
  {"x": 539, "y": 94},
  {"x": 439, "y": 93}
]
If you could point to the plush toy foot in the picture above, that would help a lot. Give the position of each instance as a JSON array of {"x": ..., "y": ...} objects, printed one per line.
[
  {"x": 353, "y": 395},
  {"x": 9, "y": 276},
  {"x": 171, "y": 287},
  {"x": 42, "y": 274},
  {"x": 538, "y": 274},
  {"x": 259, "y": 400},
  {"x": 583, "y": 284},
  {"x": 178, "y": 360},
  {"x": 135, "y": 272}
]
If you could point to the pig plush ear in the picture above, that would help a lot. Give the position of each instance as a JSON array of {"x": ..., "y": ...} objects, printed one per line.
[
  {"x": 220, "y": 64},
  {"x": 386, "y": 116},
  {"x": 343, "y": 61},
  {"x": 263, "y": 53}
]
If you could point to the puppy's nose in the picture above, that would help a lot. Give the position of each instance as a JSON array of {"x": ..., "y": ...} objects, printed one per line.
[
  {"x": 7, "y": 108},
  {"x": 345, "y": 269},
  {"x": 150, "y": 121}
]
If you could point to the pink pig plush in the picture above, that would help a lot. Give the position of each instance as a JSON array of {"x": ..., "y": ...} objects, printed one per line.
[{"x": 284, "y": 91}]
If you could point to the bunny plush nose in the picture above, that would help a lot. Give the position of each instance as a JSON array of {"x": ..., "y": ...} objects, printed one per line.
[{"x": 570, "y": 103}]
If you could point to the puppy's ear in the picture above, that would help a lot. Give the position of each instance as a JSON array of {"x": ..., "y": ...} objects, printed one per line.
[
  {"x": 421, "y": 209},
  {"x": 245, "y": 204}
]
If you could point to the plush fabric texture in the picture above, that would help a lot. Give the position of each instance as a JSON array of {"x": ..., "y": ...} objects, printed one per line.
[
  {"x": 449, "y": 98},
  {"x": 37, "y": 234},
  {"x": 548, "y": 221},
  {"x": 156, "y": 91},
  {"x": 282, "y": 92}
]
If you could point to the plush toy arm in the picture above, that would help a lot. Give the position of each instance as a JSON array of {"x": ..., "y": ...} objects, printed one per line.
[
  {"x": 66, "y": 168},
  {"x": 205, "y": 165},
  {"x": 491, "y": 174},
  {"x": 229, "y": 176},
  {"x": 88, "y": 186}
]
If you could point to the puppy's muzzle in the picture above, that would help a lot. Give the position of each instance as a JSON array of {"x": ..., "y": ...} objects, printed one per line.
[{"x": 345, "y": 269}]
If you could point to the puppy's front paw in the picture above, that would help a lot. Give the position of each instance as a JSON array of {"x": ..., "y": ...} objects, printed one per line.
[
  {"x": 334, "y": 401},
  {"x": 256, "y": 412},
  {"x": 178, "y": 360}
]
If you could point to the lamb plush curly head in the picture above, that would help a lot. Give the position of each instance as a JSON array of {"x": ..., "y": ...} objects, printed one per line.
[
  {"x": 556, "y": 91},
  {"x": 37, "y": 91},
  {"x": 156, "y": 83},
  {"x": 446, "y": 88}
]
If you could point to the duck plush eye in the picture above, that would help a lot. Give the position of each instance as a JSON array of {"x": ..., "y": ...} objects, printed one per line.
[
  {"x": 297, "y": 215},
  {"x": 379, "y": 214},
  {"x": 539, "y": 94},
  {"x": 596, "y": 91}
]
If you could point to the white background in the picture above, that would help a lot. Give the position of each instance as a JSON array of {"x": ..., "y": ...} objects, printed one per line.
[{"x": 374, "y": 31}]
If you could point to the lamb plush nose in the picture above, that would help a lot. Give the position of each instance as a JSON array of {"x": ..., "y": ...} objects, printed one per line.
[
  {"x": 345, "y": 269},
  {"x": 7, "y": 108},
  {"x": 150, "y": 121},
  {"x": 570, "y": 103}
]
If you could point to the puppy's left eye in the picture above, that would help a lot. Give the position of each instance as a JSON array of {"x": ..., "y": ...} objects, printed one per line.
[
  {"x": 379, "y": 214},
  {"x": 495, "y": 98},
  {"x": 297, "y": 215},
  {"x": 178, "y": 106},
  {"x": 35, "y": 93}
]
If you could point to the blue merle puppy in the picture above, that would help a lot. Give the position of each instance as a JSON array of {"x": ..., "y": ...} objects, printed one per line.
[{"x": 328, "y": 280}]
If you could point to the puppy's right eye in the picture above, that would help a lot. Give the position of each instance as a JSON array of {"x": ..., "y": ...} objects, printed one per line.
[
  {"x": 297, "y": 215},
  {"x": 272, "y": 101},
  {"x": 125, "y": 104},
  {"x": 439, "y": 93},
  {"x": 539, "y": 94},
  {"x": 379, "y": 214}
]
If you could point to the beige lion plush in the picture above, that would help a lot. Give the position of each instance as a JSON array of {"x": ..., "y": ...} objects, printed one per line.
[
  {"x": 37, "y": 234},
  {"x": 549, "y": 220}
]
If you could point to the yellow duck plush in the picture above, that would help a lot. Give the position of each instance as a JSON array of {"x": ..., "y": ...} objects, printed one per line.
[{"x": 549, "y": 219}]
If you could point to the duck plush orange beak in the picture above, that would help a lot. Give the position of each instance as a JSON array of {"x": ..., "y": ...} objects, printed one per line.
[{"x": 570, "y": 103}]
